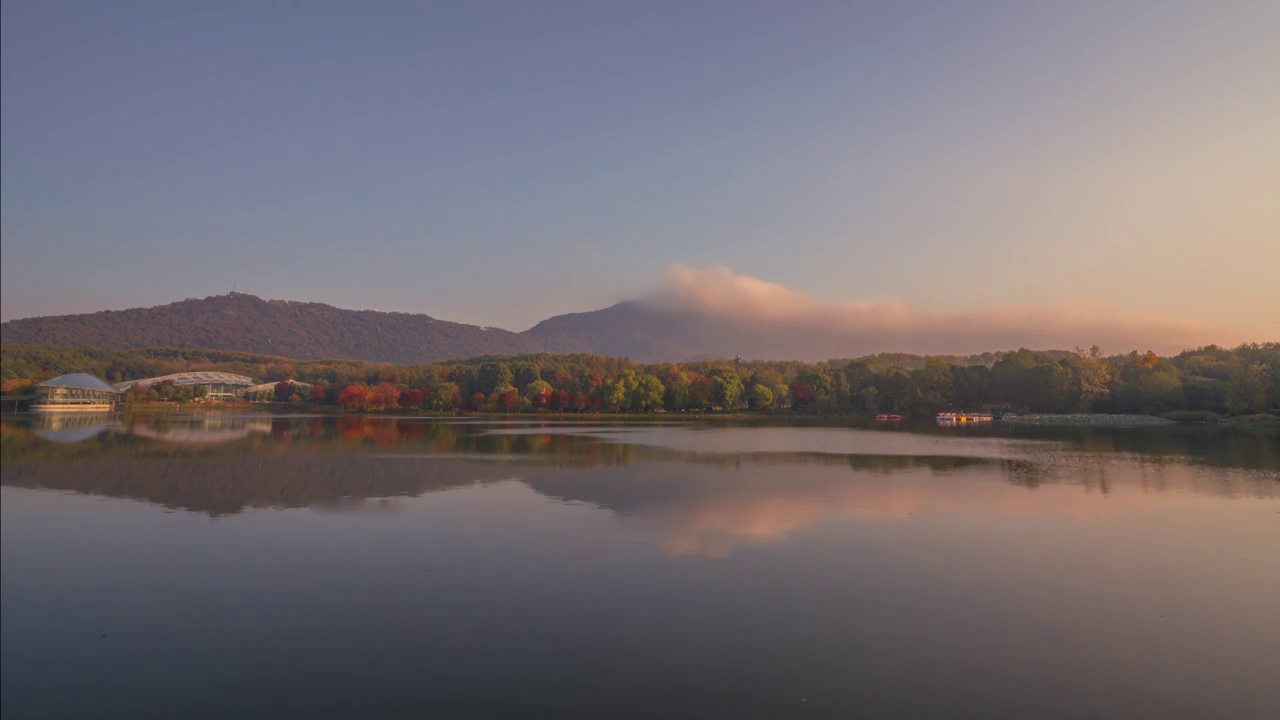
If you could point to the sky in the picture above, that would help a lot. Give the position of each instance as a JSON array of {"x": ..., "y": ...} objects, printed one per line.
[{"x": 499, "y": 163}]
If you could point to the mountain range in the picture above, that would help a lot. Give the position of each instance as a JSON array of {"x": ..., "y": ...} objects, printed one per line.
[
  {"x": 305, "y": 330},
  {"x": 696, "y": 314}
]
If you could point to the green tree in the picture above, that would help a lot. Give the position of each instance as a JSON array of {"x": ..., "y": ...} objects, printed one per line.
[
  {"x": 1155, "y": 390},
  {"x": 761, "y": 397},
  {"x": 839, "y": 390},
  {"x": 1202, "y": 393},
  {"x": 648, "y": 393},
  {"x": 726, "y": 390},
  {"x": 445, "y": 395},
  {"x": 614, "y": 395},
  {"x": 1273, "y": 388},
  {"x": 523, "y": 373},
  {"x": 1089, "y": 379},
  {"x": 931, "y": 385},
  {"x": 870, "y": 397},
  {"x": 971, "y": 387},
  {"x": 781, "y": 395},
  {"x": 492, "y": 376},
  {"x": 1246, "y": 391}
]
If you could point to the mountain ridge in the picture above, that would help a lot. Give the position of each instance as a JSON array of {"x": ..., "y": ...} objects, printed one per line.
[
  {"x": 247, "y": 323},
  {"x": 309, "y": 330},
  {"x": 645, "y": 332}
]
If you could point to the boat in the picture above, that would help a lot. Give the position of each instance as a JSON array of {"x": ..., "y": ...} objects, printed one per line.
[
  {"x": 894, "y": 418},
  {"x": 963, "y": 418},
  {"x": 882, "y": 418}
]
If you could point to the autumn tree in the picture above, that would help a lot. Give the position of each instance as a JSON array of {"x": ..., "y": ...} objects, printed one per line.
[
  {"x": 802, "y": 394},
  {"x": 676, "y": 395},
  {"x": 384, "y": 396},
  {"x": 505, "y": 398},
  {"x": 354, "y": 397}
]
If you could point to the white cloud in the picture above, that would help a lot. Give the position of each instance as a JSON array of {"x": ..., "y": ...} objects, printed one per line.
[{"x": 799, "y": 325}]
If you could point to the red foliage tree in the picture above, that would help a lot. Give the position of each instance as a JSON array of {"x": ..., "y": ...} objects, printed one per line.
[
  {"x": 542, "y": 400},
  {"x": 802, "y": 394},
  {"x": 354, "y": 397},
  {"x": 700, "y": 388},
  {"x": 561, "y": 400},
  {"x": 384, "y": 396},
  {"x": 317, "y": 393},
  {"x": 507, "y": 400},
  {"x": 283, "y": 390}
]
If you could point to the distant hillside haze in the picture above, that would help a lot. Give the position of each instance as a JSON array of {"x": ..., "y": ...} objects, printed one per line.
[{"x": 698, "y": 314}]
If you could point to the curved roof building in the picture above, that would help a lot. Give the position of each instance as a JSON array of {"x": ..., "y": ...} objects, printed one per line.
[
  {"x": 75, "y": 391},
  {"x": 78, "y": 381},
  {"x": 219, "y": 384}
]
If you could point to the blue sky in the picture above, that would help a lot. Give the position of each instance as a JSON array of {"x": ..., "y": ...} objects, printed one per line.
[{"x": 498, "y": 163}]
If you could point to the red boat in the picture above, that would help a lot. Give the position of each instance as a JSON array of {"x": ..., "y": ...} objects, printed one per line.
[
  {"x": 882, "y": 418},
  {"x": 895, "y": 417}
]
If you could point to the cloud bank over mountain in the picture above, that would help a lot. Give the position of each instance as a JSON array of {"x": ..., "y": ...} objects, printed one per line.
[{"x": 782, "y": 322}]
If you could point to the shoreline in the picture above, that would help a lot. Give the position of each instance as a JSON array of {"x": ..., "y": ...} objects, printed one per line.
[{"x": 1025, "y": 420}]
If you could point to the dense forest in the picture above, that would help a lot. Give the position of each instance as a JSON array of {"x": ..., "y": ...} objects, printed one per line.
[{"x": 1209, "y": 380}]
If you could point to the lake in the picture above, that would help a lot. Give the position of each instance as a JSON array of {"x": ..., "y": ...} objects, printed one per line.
[{"x": 317, "y": 566}]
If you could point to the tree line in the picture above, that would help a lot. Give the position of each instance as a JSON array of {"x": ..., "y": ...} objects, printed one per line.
[{"x": 1207, "y": 380}]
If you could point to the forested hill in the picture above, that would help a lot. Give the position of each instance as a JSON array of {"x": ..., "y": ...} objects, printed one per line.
[
  {"x": 642, "y": 332},
  {"x": 247, "y": 323}
]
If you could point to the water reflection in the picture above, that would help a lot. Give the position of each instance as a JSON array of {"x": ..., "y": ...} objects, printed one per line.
[
  {"x": 72, "y": 427},
  {"x": 732, "y": 488},
  {"x": 482, "y": 569},
  {"x": 207, "y": 430}
]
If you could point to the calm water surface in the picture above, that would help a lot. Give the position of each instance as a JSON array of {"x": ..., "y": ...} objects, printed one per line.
[{"x": 255, "y": 566}]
